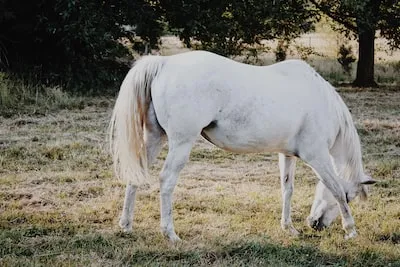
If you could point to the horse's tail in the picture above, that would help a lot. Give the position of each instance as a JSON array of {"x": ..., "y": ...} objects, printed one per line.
[{"x": 126, "y": 129}]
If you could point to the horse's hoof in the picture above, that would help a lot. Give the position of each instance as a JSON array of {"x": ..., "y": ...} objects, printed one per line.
[
  {"x": 290, "y": 230},
  {"x": 172, "y": 237},
  {"x": 350, "y": 235},
  {"x": 125, "y": 225}
]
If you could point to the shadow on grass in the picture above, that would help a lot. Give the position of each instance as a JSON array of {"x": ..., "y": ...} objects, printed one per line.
[
  {"x": 258, "y": 253},
  {"x": 23, "y": 247}
]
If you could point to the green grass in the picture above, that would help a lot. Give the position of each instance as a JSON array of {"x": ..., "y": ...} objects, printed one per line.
[
  {"x": 111, "y": 248},
  {"x": 60, "y": 202},
  {"x": 20, "y": 97}
]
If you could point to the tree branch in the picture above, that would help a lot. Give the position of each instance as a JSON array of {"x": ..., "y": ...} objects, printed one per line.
[{"x": 335, "y": 16}]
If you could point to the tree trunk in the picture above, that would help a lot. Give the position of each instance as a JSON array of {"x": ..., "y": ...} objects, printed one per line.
[{"x": 365, "y": 64}]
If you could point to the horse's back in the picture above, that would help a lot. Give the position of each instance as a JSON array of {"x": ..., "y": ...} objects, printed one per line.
[
  {"x": 249, "y": 107},
  {"x": 194, "y": 84}
]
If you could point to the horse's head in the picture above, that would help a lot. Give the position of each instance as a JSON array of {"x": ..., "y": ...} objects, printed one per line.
[{"x": 325, "y": 208}]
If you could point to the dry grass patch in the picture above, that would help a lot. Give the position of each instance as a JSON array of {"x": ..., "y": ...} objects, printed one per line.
[{"x": 60, "y": 203}]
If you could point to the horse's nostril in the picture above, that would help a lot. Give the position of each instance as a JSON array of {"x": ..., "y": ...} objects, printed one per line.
[
  {"x": 318, "y": 224},
  {"x": 314, "y": 224}
]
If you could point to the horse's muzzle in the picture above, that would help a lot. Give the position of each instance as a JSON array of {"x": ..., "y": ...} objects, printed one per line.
[{"x": 317, "y": 224}]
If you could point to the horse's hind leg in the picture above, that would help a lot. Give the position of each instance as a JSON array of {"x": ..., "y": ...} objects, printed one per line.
[
  {"x": 125, "y": 221},
  {"x": 154, "y": 136},
  {"x": 287, "y": 167},
  {"x": 154, "y": 139},
  {"x": 178, "y": 155}
]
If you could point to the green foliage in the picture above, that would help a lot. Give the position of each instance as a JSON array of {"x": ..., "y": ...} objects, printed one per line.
[
  {"x": 82, "y": 45},
  {"x": 390, "y": 22},
  {"x": 228, "y": 27},
  {"x": 346, "y": 58},
  {"x": 73, "y": 43},
  {"x": 358, "y": 15}
]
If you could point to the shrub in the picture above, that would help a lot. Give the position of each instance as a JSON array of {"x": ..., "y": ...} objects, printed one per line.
[
  {"x": 346, "y": 58},
  {"x": 73, "y": 43},
  {"x": 281, "y": 50}
]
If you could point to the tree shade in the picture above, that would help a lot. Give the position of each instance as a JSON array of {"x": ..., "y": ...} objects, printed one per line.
[{"x": 70, "y": 42}]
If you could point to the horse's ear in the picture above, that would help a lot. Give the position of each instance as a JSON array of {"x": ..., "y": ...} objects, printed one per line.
[
  {"x": 367, "y": 180},
  {"x": 364, "y": 189},
  {"x": 364, "y": 193}
]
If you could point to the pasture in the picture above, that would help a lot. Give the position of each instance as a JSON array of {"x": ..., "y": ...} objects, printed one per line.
[{"x": 60, "y": 202}]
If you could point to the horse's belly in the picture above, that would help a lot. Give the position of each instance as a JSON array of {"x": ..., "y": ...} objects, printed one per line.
[{"x": 243, "y": 141}]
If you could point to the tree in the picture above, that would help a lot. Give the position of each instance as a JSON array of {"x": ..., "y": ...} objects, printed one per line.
[
  {"x": 70, "y": 42},
  {"x": 363, "y": 18},
  {"x": 227, "y": 27}
]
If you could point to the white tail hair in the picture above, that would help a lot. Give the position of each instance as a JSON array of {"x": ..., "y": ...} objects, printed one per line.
[{"x": 126, "y": 129}]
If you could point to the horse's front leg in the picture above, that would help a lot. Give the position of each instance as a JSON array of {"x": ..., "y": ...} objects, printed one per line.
[
  {"x": 126, "y": 219},
  {"x": 322, "y": 165},
  {"x": 178, "y": 155},
  {"x": 287, "y": 167}
]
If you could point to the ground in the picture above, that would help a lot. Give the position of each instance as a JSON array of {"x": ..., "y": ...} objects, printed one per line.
[{"x": 60, "y": 202}]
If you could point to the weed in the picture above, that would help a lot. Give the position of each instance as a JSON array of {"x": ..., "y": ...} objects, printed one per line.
[{"x": 18, "y": 97}]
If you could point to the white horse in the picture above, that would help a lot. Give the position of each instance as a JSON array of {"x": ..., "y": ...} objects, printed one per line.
[{"x": 286, "y": 108}]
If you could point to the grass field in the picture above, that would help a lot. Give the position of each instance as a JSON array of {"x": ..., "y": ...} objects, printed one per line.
[{"x": 59, "y": 201}]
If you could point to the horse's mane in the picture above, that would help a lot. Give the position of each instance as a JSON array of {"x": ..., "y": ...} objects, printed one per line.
[{"x": 352, "y": 168}]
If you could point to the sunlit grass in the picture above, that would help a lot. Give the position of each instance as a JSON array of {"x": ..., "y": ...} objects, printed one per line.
[{"x": 60, "y": 202}]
